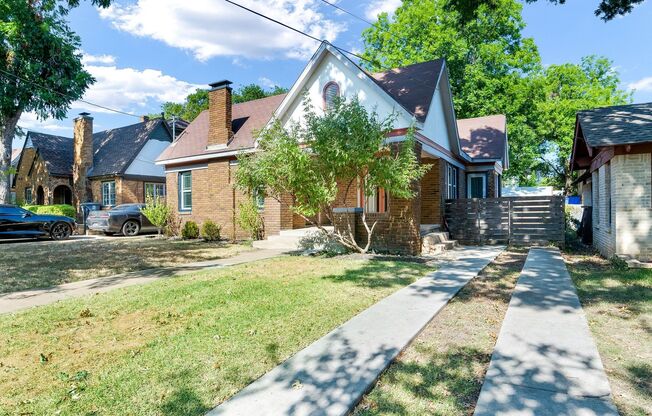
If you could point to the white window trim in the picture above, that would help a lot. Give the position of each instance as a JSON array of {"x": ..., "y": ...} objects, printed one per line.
[
  {"x": 484, "y": 183},
  {"x": 452, "y": 172},
  {"x": 114, "y": 194},
  {"x": 183, "y": 190},
  {"x": 156, "y": 185}
]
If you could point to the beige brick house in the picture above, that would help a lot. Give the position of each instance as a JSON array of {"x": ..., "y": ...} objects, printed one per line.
[
  {"x": 110, "y": 167},
  {"x": 613, "y": 149},
  {"x": 468, "y": 156}
]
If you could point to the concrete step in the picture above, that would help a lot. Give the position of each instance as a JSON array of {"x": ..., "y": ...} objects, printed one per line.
[
  {"x": 436, "y": 237},
  {"x": 301, "y": 232},
  {"x": 436, "y": 243},
  {"x": 279, "y": 242},
  {"x": 429, "y": 228}
]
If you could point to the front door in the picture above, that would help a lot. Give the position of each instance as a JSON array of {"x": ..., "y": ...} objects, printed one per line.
[{"x": 477, "y": 187}]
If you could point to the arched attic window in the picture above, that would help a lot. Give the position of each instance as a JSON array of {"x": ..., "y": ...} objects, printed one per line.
[{"x": 330, "y": 93}]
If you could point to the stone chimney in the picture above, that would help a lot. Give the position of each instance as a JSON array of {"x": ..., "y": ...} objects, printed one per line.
[
  {"x": 82, "y": 160},
  {"x": 219, "y": 114}
]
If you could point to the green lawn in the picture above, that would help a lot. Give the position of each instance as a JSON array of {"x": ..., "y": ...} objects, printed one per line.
[
  {"x": 33, "y": 265},
  {"x": 618, "y": 305},
  {"x": 442, "y": 371},
  {"x": 180, "y": 346}
]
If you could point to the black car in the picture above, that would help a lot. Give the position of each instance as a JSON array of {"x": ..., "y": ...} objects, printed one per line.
[
  {"x": 16, "y": 222},
  {"x": 126, "y": 219}
]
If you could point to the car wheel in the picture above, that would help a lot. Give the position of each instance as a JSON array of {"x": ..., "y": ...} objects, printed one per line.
[
  {"x": 130, "y": 228},
  {"x": 60, "y": 231}
]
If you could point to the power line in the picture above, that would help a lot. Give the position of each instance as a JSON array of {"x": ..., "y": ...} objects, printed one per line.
[
  {"x": 296, "y": 30},
  {"x": 6, "y": 73},
  {"x": 362, "y": 19}
]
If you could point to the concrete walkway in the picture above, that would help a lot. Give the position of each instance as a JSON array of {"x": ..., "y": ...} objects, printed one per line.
[
  {"x": 545, "y": 361},
  {"x": 16, "y": 301},
  {"x": 330, "y": 376}
]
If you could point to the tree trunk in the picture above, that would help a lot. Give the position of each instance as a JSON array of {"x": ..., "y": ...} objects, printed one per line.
[{"x": 7, "y": 132}]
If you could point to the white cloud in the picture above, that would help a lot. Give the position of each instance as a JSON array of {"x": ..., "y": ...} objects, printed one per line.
[
  {"x": 266, "y": 82},
  {"x": 644, "y": 84},
  {"x": 88, "y": 59},
  {"x": 210, "y": 28},
  {"x": 377, "y": 7},
  {"x": 132, "y": 90},
  {"x": 29, "y": 121}
]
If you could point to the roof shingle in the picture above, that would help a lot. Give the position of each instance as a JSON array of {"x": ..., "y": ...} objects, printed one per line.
[
  {"x": 483, "y": 137},
  {"x": 622, "y": 124}
]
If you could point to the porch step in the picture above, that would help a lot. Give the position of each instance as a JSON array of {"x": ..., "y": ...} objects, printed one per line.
[
  {"x": 429, "y": 228},
  {"x": 436, "y": 243},
  {"x": 289, "y": 240},
  {"x": 633, "y": 263}
]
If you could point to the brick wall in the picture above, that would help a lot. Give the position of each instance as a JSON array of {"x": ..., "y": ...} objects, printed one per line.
[
  {"x": 39, "y": 176},
  {"x": 632, "y": 204},
  {"x": 432, "y": 188},
  {"x": 604, "y": 237},
  {"x": 219, "y": 116}
]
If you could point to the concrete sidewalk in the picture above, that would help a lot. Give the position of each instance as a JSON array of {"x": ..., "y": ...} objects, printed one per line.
[
  {"x": 545, "y": 361},
  {"x": 330, "y": 376},
  {"x": 16, "y": 301}
]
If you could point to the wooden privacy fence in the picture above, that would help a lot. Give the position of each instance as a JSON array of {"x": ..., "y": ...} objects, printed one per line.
[{"x": 511, "y": 220}]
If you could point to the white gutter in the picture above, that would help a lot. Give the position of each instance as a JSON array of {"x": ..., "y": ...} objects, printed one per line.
[{"x": 207, "y": 156}]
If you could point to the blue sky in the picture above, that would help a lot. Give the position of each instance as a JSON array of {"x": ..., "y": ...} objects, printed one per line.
[{"x": 145, "y": 52}]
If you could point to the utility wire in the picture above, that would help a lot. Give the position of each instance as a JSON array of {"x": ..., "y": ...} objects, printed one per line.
[
  {"x": 7, "y": 74},
  {"x": 296, "y": 30},
  {"x": 362, "y": 19}
]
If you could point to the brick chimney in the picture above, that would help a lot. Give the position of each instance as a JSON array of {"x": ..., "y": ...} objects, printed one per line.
[
  {"x": 219, "y": 114},
  {"x": 82, "y": 160}
]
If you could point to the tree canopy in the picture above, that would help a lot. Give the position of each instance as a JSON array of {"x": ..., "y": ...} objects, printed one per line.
[
  {"x": 40, "y": 67},
  {"x": 606, "y": 10},
  {"x": 318, "y": 163},
  {"x": 197, "y": 101}
]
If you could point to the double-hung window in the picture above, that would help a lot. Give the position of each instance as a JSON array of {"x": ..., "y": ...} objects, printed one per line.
[
  {"x": 28, "y": 195},
  {"x": 154, "y": 190},
  {"x": 452, "y": 182},
  {"x": 185, "y": 191},
  {"x": 108, "y": 193}
]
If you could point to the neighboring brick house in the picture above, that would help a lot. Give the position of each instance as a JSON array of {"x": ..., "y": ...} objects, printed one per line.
[
  {"x": 110, "y": 167},
  {"x": 613, "y": 148},
  {"x": 15, "y": 156},
  {"x": 200, "y": 164}
]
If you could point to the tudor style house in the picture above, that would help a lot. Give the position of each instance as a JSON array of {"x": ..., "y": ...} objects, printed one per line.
[
  {"x": 467, "y": 156},
  {"x": 613, "y": 150},
  {"x": 110, "y": 167}
]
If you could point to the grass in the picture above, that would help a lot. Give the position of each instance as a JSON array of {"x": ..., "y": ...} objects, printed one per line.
[
  {"x": 442, "y": 370},
  {"x": 181, "y": 346},
  {"x": 34, "y": 265},
  {"x": 618, "y": 305}
]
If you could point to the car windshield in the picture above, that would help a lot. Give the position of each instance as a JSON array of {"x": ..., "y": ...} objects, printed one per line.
[{"x": 127, "y": 207}]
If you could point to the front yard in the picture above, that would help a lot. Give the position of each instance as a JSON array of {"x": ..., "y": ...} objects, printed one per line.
[
  {"x": 181, "y": 346},
  {"x": 36, "y": 265},
  {"x": 618, "y": 305}
]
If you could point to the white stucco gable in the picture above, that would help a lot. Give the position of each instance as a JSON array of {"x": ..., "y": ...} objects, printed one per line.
[
  {"x": 440, "y": 125},
  {"x": 330, "y": 65},
  {"x": 144, "y": 164}
]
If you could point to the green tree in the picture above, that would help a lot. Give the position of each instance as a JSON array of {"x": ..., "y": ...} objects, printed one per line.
[
  {"x": 568, "y": 89},
  {"x": 489, "y": 62},
  {"x": 306, "y": 162},
  {"x": 36, "y": 46},
  {"x": 607, "y": 9},
  {"x": 157, "y": 212},
  {"x": 197, "y": 101}
]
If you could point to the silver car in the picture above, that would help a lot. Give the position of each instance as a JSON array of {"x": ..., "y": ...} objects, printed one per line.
[{"x": 126, "y": 219}]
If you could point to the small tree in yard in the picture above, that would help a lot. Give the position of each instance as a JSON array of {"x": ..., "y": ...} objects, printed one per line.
[
  {"x": 157, "y": 212},
  {"x": 346, "y": 145}
]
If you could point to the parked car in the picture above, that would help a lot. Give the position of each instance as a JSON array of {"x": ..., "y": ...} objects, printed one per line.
[
  {"x": 126, "y": 219},
  {"x": 17, "y": 222}
]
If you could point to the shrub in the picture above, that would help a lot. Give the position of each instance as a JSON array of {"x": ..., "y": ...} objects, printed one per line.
[
  {"x": 210, "y": 231},
  {"x": 250, "y": 219},
  {"x": 173, "y": 225},
  {"x": 190, "y": 230},
  {"x": 62, "y": 209},
  {"x": 157, "y": 212}
]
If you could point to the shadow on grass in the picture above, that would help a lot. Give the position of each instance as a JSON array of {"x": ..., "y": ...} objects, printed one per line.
[
  {"x": 640, "y": 377},
  {"x": 380, "y": 273},
  {"x": 183, "y": 402},
  {"x": 633, "y": 291}
]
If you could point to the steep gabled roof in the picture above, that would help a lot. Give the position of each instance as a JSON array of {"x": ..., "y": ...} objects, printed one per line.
[
  {"x": 115, "y": 149},
  {"x": 483, "y": 137},
  {"x": 622, "y": 124},
  {"x": 412, "y": 86},
  {"x": 56, "y": 152},
  {"x": 247, "y": 117}
]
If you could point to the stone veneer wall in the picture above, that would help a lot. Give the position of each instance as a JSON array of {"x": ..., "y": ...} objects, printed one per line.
[{"x": 39, "y": 177}]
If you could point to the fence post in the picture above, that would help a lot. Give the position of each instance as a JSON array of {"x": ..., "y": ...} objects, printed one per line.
[
  {"x": 509, "y": 222},
  {"x": 477, "y": 220}
]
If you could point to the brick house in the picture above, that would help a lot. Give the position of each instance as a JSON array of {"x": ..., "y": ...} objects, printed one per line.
[
  {"x": 110, "y": 167},
  {"x": 613, "y": 149},
  {"x": 467, "y": 156}
]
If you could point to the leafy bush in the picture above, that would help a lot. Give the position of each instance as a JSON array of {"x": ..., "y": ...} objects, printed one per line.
[
  {"x": 250, "y": 220},
  {"x": 210, "y": 231},
  {"x": 320, "y": 242},
  {"x": 157, "y": 212},
  {"x": 173, "y": 225},
  {"x": 190, "y": 230},
  {"x": 62, "y": 209}
]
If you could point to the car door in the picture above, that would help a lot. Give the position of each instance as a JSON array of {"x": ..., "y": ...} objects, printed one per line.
[{"x": 14, "y": 222}]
